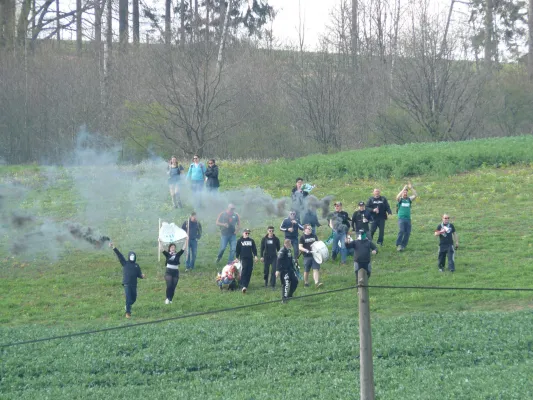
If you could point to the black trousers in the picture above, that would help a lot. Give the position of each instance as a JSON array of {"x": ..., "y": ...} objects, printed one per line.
[
  {"x": 270, "y": 261},
  {"x": 289, "y": 283},
  {"x": 378, "y": 223},
  {"x": 130, "y": 292},
  {"x": 447, "y": 250},
  {"x": 172, "y": 276},
  {"x": 246, "y": 273}
]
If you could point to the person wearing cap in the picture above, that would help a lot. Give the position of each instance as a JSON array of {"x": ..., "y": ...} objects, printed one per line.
[
  {"x": 229, "y": 223},
  {"x": 448, "y": 243},
  {"x": 380, "y": 208},
  {"x": 306, "y": 241},
  {"x": 246, "y": 251},
  {"x": 363, "y": 249},
  {"x": 361, "y": 219},
  {"x": 339, "y": 221},
  {"x": 270, "y": 246},
  {"x": 404, "y": 215},
  {"x": 130, "y": 273},
  {"x": 286, "y": 272},
  {"x": 290, "y": 227}
]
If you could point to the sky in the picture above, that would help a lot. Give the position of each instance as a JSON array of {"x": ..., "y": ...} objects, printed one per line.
[{"x": 315, "y": 14}]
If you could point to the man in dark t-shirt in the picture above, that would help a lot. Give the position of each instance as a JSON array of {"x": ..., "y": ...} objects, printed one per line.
[
  {"x": 305, "y": 243},
  {"x": 448, "y": 243}
]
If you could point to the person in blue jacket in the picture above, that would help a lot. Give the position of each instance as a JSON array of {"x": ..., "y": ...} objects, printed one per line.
[
  {"x": 290, "y": 227},
  {"x": 196, "y": 174},
  {"x": 130, "y": 273}
]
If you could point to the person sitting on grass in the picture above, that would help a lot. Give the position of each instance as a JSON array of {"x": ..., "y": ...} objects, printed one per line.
[
  {"x": 130, "y": 273},
  {"x": 229, "y": 277}
]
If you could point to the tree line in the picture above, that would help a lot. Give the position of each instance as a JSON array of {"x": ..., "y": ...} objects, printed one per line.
[{"x": 210, "y": 77}]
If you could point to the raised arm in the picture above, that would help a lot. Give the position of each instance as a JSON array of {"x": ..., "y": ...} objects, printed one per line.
[
  {"x": 399, "y": 195},
  {"x": 118, "y": 253},
  {"x": 413, "y": 196}
]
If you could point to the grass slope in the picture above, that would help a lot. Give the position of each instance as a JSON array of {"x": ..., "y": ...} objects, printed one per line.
[{"x": 427, "y": 344}]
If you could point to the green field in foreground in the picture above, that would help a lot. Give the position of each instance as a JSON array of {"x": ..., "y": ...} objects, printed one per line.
[{"x": 428, "y": 344}]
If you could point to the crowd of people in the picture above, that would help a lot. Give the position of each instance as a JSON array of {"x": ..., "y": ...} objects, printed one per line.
[{"x": 280, "y": 257}]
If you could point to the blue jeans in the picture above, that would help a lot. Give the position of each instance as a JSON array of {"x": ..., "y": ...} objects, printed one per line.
[
  {"x": 404, "y": 231},
  {"x": 295, "y": 249},
  {"x": 224, "y": 241},
  {"x": 130, "y": 291},
  {"x": 335, "y": 249},
  {"x": 191, "y": 256}
]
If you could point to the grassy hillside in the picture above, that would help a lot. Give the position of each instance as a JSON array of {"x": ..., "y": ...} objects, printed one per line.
[{"x": 464, "y": 344}]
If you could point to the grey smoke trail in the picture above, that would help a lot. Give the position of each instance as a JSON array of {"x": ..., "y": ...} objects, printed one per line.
[{"x": 124, "y": 201}]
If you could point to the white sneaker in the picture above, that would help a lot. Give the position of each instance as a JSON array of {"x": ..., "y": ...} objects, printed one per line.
[
  {"x": 167, "y": 301},
  {"x": 243, "y": 290}
]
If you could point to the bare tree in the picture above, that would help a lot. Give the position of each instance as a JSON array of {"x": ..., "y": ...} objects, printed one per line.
[
  {"x": 123, "y": 24},
  {"x": 355, "y": 32},
  {"x": 318, "y": 88},
  {"x": 168, "y": 28},
  {"x": 136, "y": 23},
  {"x": 489, "y": 29},
  {"x": 530, "y": 40},
  {"x": 437, "y": 95},
  {"x": 192, "y": 106}
]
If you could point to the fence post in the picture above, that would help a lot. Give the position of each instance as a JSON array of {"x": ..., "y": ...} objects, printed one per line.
[{"x": 366, "y": 375}]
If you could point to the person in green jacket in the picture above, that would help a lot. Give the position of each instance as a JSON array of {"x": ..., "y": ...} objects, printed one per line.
[{"x": 404, "y": 215}]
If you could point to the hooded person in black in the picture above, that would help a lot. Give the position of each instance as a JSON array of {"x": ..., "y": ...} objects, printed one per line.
[
  {"x": 130, "y": 273},
  {"x": 270, "y": 246}
]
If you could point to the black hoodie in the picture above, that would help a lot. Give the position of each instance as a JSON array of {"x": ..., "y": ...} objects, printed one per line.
[
  {"x": 212, "y": 176},
  {"x": 270, "y": 246},
  {"x": 130, "y": 269}
]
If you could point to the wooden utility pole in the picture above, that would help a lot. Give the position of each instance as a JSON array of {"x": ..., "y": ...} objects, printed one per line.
[{"x": 366, "y": 375}]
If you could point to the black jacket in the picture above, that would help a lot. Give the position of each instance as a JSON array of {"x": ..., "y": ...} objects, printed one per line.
[
  {"x": 212, "y": 176},
  {"x": 382, "y": 204},
  {"x": 340, "y": 221},
  {"x": 194, "y": 230},
  {"x": 287, "y": 223},
  {"x": 130, "y": 269},
  {"x": 363, "y": 249},
  {"x": 357, "y": 220},
  {"x": 246, "y": 248},
  {"x": 285, "y": 262},
  {"x": 270, "y": 246}
]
